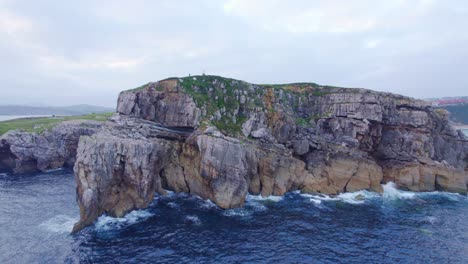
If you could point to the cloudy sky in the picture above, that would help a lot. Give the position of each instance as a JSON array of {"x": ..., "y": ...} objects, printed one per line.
[{"x": 72, "y": 52}]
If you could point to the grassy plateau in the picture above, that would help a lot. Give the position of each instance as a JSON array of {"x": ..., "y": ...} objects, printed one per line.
[{"x": 40, "y": 124}]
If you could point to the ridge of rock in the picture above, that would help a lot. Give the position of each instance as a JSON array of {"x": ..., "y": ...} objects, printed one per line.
[{"x": 27, "y": 152}]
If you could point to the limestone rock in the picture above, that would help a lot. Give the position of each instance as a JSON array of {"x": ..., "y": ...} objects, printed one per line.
[
  {"x": 25, "y": 152},
  {"x": 116, "y": 175},
  {"x": 161, "y": 102}
]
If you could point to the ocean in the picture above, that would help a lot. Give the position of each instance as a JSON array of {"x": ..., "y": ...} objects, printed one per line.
[
  {"x": 37, "y": 213},
  {"x": 11, "y": 117}
]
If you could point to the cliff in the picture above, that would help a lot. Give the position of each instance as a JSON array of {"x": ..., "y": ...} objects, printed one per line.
[
  {"x": 27, "y": 152},
  {"x": 221, "y": 138}
]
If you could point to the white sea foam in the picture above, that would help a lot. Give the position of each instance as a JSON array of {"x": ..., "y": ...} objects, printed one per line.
[
  {"x": 193, "y": 219},
  {"x": 207, "y": 204},
  {"x": 237, "y": 212},
  {"x": 172, "y": 205},
  {"x": 59, "y": 224},
  {"x": 256, "y": 206},
  {"x": 54, "y": 170},
  {"x": 451, "y": 196},
  {"x": 105, "y": 222},
  {"x": 272, "y": 198},
  {"x": 390, "y": 192},
  {"x": 358, "y": 197},
  {"x": 320, "y": 197},
  {"x": 315, "y": 201}
]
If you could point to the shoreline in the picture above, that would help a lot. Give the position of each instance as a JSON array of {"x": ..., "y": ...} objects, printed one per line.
[{"x": 16, "y": 117}]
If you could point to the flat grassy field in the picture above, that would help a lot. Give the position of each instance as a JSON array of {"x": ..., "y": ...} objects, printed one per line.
[{"x": 40, "y": 124}]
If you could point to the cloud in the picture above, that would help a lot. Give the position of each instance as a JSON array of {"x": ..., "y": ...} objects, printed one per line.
[
  {"x": 97, "y": 48},
  {"x": 90, "y": 63},
  {"x": 371, "y": 43},
  {"x": 332, "y": 16},
  {"x": 12, "y": 24}
]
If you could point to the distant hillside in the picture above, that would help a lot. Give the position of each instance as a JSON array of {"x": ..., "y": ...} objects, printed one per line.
[
  {"x": 51, "y": 110},
  {"x": 458, "y": 113},
  {"x": 445, "y": 101}
]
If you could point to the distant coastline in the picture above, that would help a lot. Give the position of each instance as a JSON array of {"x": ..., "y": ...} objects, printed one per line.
[
  {"x": 32, "y": 111},
  {"x": 12, "y": 117}
]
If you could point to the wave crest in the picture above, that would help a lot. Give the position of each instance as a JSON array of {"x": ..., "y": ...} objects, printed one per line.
[{"x": 105, "y": 222}]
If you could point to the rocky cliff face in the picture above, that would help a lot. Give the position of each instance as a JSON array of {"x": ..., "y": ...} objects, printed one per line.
[
  {"x": 221, "y": 139},
  {"x": 25, "y": 152}
]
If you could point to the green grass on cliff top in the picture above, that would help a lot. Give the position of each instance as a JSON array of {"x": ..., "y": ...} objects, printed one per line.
[
  {"x": 217, "y": 94},
  {"x": 40, "y": 124},
  {"x": 206, "y": 79}
]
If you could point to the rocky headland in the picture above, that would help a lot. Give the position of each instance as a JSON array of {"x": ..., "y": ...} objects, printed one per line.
[
  {"x": 221, "y": 139},
  {"x": 29, "y": 152}
]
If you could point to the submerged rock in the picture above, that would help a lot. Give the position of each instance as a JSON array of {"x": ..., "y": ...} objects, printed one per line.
[{"x": 221, "y": 139}]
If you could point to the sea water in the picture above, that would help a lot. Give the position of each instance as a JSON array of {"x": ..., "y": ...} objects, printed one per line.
[
  {"x": 11, "y": 117},
  {"x": 465, "y": 131},
  {"x": 37, "y": 213}
]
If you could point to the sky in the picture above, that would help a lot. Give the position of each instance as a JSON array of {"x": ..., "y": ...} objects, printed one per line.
[{"x": 86, "y": 52}]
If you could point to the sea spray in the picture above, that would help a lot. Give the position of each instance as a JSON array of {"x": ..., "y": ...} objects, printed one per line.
[
  {"x": 271, "y": 198},
  {"x": 59, "y": 224},
  {"x": 390, "y": 192},
  {"x": 108, "y": 222},
  {"x": 356, "y": 198}
]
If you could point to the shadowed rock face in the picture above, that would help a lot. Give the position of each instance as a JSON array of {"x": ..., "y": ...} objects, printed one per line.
[
  {"x": 25, "y": 152},
  {"x": 221, "y": 139}
]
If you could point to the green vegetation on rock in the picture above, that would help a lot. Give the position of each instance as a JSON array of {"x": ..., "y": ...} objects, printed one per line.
[
  {"x": 218, "y": 96},
  {"x": 41, "y": 124},
  {"x": 227, "y": 103},
  {"x": 220, "y": 99}
]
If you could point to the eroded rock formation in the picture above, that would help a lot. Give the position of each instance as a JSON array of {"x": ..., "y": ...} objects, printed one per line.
[
  {"x": 25, "y": 152},
  {"x": 222, "y": 138}
]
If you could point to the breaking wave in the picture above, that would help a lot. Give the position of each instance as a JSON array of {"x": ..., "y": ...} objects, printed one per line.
[
  {"x": 358, "y": 197},
  {"x": 239, "y": 212},
  {"x": 272, "y": 198},
  {"x": 208, "y": 204},
  {"x": 390, "y": 192},
  {"x": 107, "y": 222}
]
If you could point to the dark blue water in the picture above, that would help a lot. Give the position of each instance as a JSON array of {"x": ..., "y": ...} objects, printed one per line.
[{"x": 37, "y": 213}]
